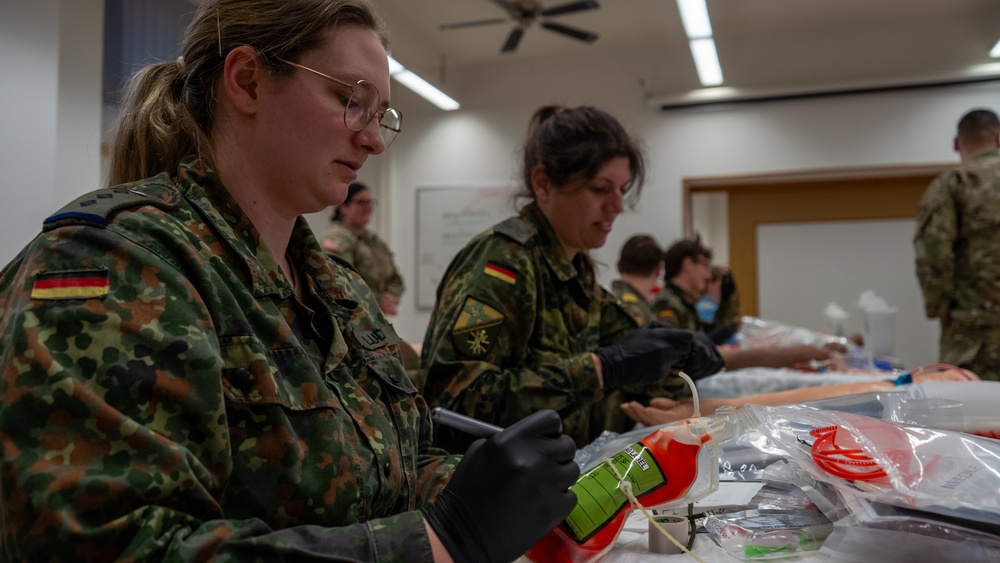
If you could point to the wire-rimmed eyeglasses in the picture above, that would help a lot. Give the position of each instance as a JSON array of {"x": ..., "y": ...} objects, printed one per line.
[{"x": 362, "y": 106}]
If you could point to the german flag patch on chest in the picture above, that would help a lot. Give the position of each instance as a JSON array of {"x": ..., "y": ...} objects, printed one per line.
[{"x": 71, "y": 284}]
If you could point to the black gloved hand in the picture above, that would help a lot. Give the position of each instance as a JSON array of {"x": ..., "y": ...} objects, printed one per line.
[
  {"x": 507, "y": 492},
  {"x": 642, "y": 357},
  {"x": 723, "y": 332},
  {"x": 727, "y": 287},
  {"x": 704, "y": 358}
]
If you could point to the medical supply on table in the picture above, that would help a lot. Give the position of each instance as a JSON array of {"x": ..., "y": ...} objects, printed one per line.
[
  {"x": 838, "y": 318},
  {"x": 677, "y": 463},
  {"x": 880, "y": 325},
  {"x": 675, "y": 526},
  {"x": 751, "y": 535},
  {"x": 950, "y": 474}
]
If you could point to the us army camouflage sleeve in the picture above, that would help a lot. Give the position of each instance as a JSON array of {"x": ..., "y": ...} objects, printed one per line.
[
  {"x": 937, "y": 231},
  {"x": 339, "y": 240},
  {"x": 384, "y": 270},
  {"x": 483, "y": 352},
  {"x": 116, "y": 437},
  {"x": 369, "y": 255}
]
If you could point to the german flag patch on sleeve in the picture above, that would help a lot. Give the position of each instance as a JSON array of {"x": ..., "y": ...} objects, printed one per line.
[
  {"x": 71, "y": 284},
  {"x": 501, "y": 272}
]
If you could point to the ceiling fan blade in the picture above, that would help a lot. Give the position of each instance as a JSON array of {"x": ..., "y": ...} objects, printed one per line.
[
  {"x": 512, "y": 40},
  {"x": 573, "y": 32},
  {"x": 571, "y": 7},
  {"x": 472, "y": 23},
  {"x": 511, "y": 9}
]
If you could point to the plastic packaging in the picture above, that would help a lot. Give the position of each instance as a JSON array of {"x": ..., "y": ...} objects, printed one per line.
[
  {"x": 867, "y": 530},
  {"x": 880, "y": 325},
  {"x": 901, "y": 404},
  {"x": 752, "y": 535},
  {"x": 978, "y": 399},
  {"x": 950, "y": 474},
  {"x": 964, "y": 406},
  {"x": 838, "y": 318},
  {"x": 762, "y": 333},
  {"x": 677, "y": 463}
]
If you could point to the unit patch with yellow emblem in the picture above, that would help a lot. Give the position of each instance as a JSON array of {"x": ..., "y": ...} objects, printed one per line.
[{"x": 477, "y": 327}]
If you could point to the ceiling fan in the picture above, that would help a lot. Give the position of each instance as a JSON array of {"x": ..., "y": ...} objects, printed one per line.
[{"x": 527, "y": 12}]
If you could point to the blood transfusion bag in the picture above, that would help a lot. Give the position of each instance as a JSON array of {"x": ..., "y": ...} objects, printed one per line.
[{"x": 676, "y": 464}]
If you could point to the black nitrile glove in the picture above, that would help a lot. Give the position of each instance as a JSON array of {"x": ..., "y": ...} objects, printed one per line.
[
  {"x": 507, "y": 492},
  {"x": 704, "y": 359},
  {"x": 727, "y": 287},
  {"x": 723, "y": 332},
  {"x": 642, "y": 357}
]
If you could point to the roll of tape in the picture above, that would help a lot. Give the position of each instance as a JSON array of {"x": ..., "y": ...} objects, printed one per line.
[{"x": 676, "y": 526}]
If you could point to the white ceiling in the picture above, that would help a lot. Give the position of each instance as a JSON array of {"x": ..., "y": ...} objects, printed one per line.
[{"x": 763, "y": 45}]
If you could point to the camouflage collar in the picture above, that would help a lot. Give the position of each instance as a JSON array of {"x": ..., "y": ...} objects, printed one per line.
[
  {"x": 621, "y": 286},
  {"x": 551, "y": 248},
  {"x": 206, "y": 192},
  {"x": 985, "y": 154},
  {"x": 685, "y": 296}
]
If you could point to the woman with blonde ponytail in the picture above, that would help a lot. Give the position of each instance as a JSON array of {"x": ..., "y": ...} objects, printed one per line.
[{"x": 186, "y": 376}]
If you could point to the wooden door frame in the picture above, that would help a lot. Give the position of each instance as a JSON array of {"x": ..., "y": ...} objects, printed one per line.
[{"x": 743, "y": 252}]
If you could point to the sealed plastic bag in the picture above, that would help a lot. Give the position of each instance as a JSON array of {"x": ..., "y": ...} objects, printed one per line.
[
  {"x": 867, "y": 530},
  {"x": 677, "y": 463},
  {"x": 752, "y": 535},
  {"x": 942, "y": 472}
]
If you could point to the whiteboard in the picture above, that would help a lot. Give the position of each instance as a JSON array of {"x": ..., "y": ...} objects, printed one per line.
[{"x": 447, "y": 218}]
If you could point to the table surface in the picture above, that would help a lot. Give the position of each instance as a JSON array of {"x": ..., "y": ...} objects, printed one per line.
[{"x": 632, "y": 546}]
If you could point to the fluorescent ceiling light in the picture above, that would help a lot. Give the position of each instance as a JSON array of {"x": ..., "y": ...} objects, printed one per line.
[
  {"x": 421, "y": 87},
  {"x": 706, "y": 60},
  {"x": 995, "y": 51},
  {"x": 694, "y": 14}
]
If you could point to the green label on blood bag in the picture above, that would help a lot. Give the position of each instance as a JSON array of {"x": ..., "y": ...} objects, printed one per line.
[{"x": 598, "y": 498}]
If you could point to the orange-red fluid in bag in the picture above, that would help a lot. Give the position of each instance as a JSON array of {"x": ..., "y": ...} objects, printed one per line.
[{"x": 661, "y": 467}]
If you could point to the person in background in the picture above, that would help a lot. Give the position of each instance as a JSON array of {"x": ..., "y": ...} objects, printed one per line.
[
  {"x": 640, "y": 265},
  {"x": 350, "y": 238},
  {"x": 687, "y": 272},
  {"x": 186, "y": 376},
  {"x": 957, "y": 250},
  {"x": 719, "y": 307},
  {"x": 521, "y": 323}
]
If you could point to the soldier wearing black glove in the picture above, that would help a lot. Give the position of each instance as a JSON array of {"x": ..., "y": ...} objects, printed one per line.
[
  {"x": 723, "y": 332},
  {"x": 507, "y": 492},
  {"x": 704, "y": 359},
  {"x": 641, "y": 358}
]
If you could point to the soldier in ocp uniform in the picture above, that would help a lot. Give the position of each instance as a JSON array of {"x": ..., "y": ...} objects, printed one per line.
[
  {"x": 350, "y": 238},
  {"x": 957, "y": 250},
  {"x": 521, "y": 323},
  {"x": 187, "y": 376}
]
